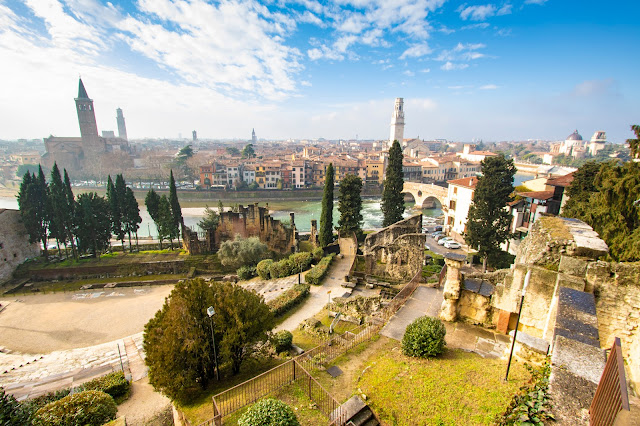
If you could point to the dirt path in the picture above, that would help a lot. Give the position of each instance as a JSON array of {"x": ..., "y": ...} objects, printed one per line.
[{"x": 145, "y": 406}]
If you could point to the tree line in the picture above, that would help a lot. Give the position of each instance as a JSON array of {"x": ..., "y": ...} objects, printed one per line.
[
  {"x": 86, "y": 223},
  {"x": 166, "y": 213}
]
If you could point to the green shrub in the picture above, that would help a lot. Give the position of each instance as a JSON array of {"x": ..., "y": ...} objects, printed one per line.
[
  {"x": 282, "y": 340},
  {"x": 288, "y": 299},
  {"x": 263, "y": 268},
  {"x": 302, "y": 259},
  {"x": 269, "y": 412},
  {"x": 318, "y": 254},
  {"x": 13, "y": 412},
  {"x": 315, "y": 275},
  {"x": 532, "y": 404},
  {"x": 34, "y": 404},
  {"x": 424, "y": 337},
  {"x": 114, "y": 384},
  {"x": 246, "y": 272},
  {"x": 280, "y": 269},
  {"x": 91, "y": 407}
]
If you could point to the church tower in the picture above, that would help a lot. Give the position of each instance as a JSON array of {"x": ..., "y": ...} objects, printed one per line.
[
  {"x": 91, "y": 142},
  {"x": 253, "y": 136},
  {"x": 397, "y": 122},
  {"x": 122, "y": 128}
]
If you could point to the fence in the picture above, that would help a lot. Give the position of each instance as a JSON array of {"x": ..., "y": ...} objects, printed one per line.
[
  {"x": 611, "y": 401},
  {"x": 297, "y": 369}
]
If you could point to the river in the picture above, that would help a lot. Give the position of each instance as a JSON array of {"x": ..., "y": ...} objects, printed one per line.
[{"x": 304, "y": 211}]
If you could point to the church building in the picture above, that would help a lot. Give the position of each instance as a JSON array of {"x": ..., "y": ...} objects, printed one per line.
[{"x": 73, "y": 153}]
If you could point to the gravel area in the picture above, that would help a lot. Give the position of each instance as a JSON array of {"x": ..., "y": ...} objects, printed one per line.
[{"x": 44, "y": 323}]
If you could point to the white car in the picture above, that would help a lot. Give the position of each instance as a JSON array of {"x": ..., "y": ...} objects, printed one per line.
[
  {"x": 452, "y": 244},
  {"x": 442, "y": 241}
]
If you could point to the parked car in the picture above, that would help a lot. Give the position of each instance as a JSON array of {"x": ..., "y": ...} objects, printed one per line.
[
  {"x": 441, "y": 241},
  {"x": 452, "y": 244},
  {"x": 436, "y": 234},
  {"x": 439, "y": 228}
]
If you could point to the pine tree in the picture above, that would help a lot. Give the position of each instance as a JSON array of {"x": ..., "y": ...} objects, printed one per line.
[
  {"x": 61, "y": 215},
  {"x": 350, "y": 205},
  {"x": 488, "y": 221},
  {"x": 70, "y": 222},
  {"x": 132, "y": 219},
  {"x": 325, "y": 234},
  {"x": 27, "y": 205},
  {"x": 152, "y": 202},
  {"x": 176, "y": 211},
  {"x": 165, "y": 224},
  {"x": 392, "y": 198}
]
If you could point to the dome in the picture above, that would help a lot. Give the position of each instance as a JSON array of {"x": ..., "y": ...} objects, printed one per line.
[{"x": 575, "y": 136}]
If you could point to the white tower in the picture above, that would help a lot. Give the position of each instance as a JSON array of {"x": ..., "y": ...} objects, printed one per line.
[
  {"x": 397, "y": 122},
  {"x": 253, "y": 136}
]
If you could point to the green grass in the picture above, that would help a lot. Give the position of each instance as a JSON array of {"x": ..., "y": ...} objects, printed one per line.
[
  {"x": 456, "y": 388},
  {"x": 296, "y": 398},
  {"x": 74, "y": 285},
  {"x": 200, "y": 408},
  {"x": 115, "y": 257}
]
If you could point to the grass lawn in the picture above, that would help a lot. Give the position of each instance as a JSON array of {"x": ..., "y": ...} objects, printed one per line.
[
  {"x": 49, "y": 286},
  {"x": 296, "y": 398},
  {"x": 456, "y": 388},
  {"x": 113, "y": 258}
]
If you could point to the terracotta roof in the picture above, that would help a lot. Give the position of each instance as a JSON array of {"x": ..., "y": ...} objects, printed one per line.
[
  {"x": 538, "y": 195},
  {"x": 469, "y": 182},
  {"x": 563, "y": 181}
]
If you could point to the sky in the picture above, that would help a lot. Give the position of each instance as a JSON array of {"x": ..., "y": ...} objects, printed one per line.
[{"x": 467, "y": 70}]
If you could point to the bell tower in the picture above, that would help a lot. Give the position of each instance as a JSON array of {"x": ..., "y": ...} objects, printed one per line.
[
  {"x": 397, "y": 122},
  {"x": 91, "y": 142}
]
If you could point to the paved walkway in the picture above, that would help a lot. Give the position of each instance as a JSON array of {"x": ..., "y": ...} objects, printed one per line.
[{"x": 427, "y": 301}]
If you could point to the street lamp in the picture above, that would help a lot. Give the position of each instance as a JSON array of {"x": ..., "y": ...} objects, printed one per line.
[
  {"x": 515, "y": 332},
  {"x": 211, "y": 312}
]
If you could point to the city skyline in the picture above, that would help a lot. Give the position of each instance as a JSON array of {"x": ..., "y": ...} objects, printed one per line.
[{"x": 301, "y": 69}]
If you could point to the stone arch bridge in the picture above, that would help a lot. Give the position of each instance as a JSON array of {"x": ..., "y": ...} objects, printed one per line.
[{"x": 422, "y": 192}]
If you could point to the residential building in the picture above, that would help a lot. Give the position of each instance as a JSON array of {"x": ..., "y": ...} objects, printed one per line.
[
  {"x": 456, "y": 209},
  {"x": 468, "y": 153}
]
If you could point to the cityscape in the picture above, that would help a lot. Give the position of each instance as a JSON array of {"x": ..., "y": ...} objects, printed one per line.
[{"x": 303, "y": 213}]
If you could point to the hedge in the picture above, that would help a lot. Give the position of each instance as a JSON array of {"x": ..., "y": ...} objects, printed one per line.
[
  {"x": 263, "y": 268},
  {"x": 424, "y": 337},
  {"x": 93, "y": 408},
  {"x": 246, "y": 272},
  {"x": 280, "y": 269},
  {"x": 302, "y": 259},
  {"x": 269, "y": 412},
  {"x": 316, "y": 275},
  {"x": 114, "y": 384},
  {"x": 282, "y": 340},
  {"x": 288, "y": 299},
  {"x": 318, "y": 253}
]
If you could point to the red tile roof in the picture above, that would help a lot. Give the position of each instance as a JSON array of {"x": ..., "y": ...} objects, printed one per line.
[
  {"x": 538, "y": 195},
  {"x": 469, "y": 182},
  {"x": 563, "y": 181}
]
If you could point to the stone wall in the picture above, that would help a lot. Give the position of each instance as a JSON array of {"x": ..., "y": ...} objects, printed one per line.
[
  {"x": 250, "y": 221},
  {"x": 396, "y": 251},
  {"x": 14, "y": 243}
]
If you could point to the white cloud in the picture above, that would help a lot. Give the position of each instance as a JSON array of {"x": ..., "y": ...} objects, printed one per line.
[
  {"x": 305, "y": 83},
  {"x": 310, "y": 18},
  {"x": 416, "y": 51},
  {"x": 505, "y": 10},
  {"x": 488, "y": 87},
  {"x": 409, "y": 73},
  {"x": 477, "y": 13},
  {"x": 450, "y": 66},
  {"x": 426, "y": 70},
  {"x": 595, "y": 88},
  {"x": 462, "y": 52},
  {"x": 479, "y": 25},
  {"x": 539, "y": 2}
]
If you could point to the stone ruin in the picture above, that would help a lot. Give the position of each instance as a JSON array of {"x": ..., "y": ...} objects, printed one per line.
[
  {"x": 396, "y": 251},
  {"x": 562, "y": 255},
  {"x": 250, "y": 221}
]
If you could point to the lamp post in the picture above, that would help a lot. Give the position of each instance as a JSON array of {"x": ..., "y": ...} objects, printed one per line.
[
  {"x": 515, "y": 332},
  {"x": 211, "y": 312}
]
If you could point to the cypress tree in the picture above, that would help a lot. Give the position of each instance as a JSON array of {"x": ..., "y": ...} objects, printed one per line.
[
  {"x": 488, "y": 221},
  {"x": 42, "y": 207},
  {"x": 70, "y": 222},
  {"x": 152, "y": 201},
  {"x": 93, "y": 224},
  {"x": 176, "y": 211},
  {"x": 325, "y": 234},
  {"x": 350, "y": 205},
  {"x": 392, "y": 198},
  {"x": 58, "y": 203},
  {"x": 132, "y": 219}
]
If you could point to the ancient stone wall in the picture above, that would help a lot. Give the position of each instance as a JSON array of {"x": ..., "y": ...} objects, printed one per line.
[
  {"x": 250, "y": 221},
  {"x": 396, "y": 251},
  {"x": 14, "y": 243}
]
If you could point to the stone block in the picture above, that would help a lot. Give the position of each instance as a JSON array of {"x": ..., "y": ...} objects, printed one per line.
[
  {"x": 570, "y": 281},
  {"x": 503, "y": 322},
  {"x": 573, "y": 266},
  {"x": 580, "y": 359},
  {"x": 534, "y": 343}
]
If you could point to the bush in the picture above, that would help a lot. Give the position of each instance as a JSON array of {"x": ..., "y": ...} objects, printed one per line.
[
  {"x": 34, "y": 404},
  {"x": 12, "y": 412},
  {"x": 302, "y": 259},
  {"x": 318, "y": 253},
  {"x": 113, "y": 383},
  {"x": 85, "y": 408},
  {"x": 288, "y": 299},
  {"x": 246, "y": 272},
  {"x": 282, "y": 340},
  {"x": 532, "y": 404},
  {"x": 315, "y": 275},
  {"x": 263, "y": 268},
  {"x": 281, "y": 269},
  {"x": 269, "y": 412},
  {"x": 424, "y": 337}
]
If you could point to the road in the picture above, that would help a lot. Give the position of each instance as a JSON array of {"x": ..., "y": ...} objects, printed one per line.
[{"x": 438, "y": 249}]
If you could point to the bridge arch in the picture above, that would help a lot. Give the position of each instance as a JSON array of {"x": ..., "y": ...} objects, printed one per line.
[{"x": 423, "y": 192}]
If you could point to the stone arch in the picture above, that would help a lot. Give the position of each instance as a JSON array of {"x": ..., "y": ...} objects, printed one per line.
[{"x": 425, "y": 193}]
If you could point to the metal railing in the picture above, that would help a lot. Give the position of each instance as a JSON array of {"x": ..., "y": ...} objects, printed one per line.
[
  {"x": 611, "y": 401},
  {"x": 297, "y": 370}
]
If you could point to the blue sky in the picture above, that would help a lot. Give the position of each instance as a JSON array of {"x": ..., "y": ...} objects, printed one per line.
[{"x": 500, "y": 70}]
